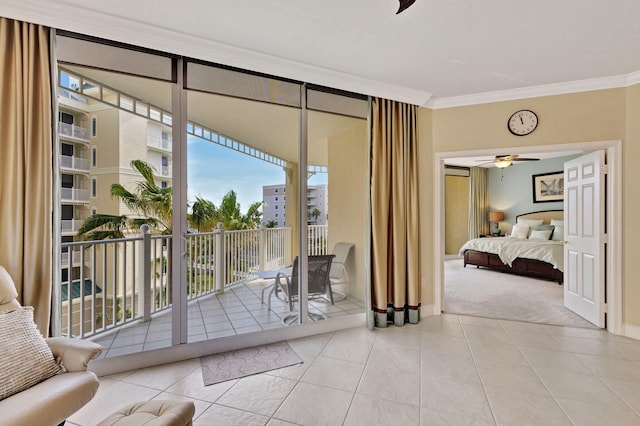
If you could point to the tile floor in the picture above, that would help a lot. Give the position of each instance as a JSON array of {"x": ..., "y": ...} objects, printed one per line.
[
  {"x": 236, "y": 311},
  {"x": 447, "y": 370}
]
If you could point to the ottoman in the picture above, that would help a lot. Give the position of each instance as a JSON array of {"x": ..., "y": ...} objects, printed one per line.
[{"x": 153, "y": 413}]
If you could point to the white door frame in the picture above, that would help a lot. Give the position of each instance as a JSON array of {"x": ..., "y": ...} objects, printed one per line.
[{"x": 613, "y": 224}]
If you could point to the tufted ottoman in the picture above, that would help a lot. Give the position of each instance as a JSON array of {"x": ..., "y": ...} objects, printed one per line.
[{"x": 153, "y": 413}]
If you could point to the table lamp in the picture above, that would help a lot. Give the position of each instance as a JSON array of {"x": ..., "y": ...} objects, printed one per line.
[{"x": 496, "y": 217}]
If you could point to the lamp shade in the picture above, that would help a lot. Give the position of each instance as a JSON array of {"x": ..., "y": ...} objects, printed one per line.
[{"x": 496, "y": 216}]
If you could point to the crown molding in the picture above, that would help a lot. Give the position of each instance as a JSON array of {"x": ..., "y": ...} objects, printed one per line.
[
  {"x": 536, "y": 91},
  {"x": 89, "y": 22}
]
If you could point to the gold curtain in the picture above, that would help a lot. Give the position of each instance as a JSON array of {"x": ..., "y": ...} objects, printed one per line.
[
  {"x": 478, "y": 203},
  {"x": 26, "y": 163},
  {"x": 395, "y": 223}
]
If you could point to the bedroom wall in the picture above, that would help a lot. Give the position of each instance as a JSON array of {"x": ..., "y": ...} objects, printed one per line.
[
  {"x": 599, "y": 115},
  {"x": 511, "y": 189}
]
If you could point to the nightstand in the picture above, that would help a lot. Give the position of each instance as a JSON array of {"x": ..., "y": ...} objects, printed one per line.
[{"x": 492, "y": 236}]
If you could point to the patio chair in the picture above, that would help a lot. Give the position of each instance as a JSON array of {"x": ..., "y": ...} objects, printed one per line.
[
  {"x": 319, "y": 284},
  {"x": 338, "y": 274}
]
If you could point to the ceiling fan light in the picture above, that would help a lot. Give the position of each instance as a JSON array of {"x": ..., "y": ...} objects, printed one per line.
[{"x": 502, "y": 164}]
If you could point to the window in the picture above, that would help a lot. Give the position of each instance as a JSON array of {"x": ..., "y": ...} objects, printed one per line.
[
  {"x": 276, "y": 190},
  {"x": 94, "y": 127},
  {"x": 67, "y": 181},
  {"x": 94, "y": 211},
  {"x": 67, "y": 150},
  {"x": 276, "y": 198},
  {"x": 66, "y": 118},
  {"x": 165, "y": 161},
  {"x": 276, "y": 207},
  {"x": 94, "y": 187},
  {"x": 94, "y": 156},
  {"x": 163, "y": 184},
  {"x": 67, "y": 212},
  {"x": 276, "y": 214}
]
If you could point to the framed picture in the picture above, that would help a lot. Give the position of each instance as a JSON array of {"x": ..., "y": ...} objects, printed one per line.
[{"x": 548, "y": 187}]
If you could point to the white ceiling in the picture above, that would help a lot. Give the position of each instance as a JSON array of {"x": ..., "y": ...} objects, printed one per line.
[{"x": 437, "y": 50}]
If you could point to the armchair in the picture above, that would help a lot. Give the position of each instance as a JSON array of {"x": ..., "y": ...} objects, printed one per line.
[{"x": 51, "y": 401}]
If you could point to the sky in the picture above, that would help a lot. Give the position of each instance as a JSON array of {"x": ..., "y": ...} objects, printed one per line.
[{"x": 213, "y": 171}]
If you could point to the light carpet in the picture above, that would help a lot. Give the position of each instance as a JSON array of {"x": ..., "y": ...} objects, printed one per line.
[
  {"x": 245, "y": 362},
  {"x": 492, "y": 294}
]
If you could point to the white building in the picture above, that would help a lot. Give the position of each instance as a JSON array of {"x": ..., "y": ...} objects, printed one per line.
[{"x": 274, "y": 204}]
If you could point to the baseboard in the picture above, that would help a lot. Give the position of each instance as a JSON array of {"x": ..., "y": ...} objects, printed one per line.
[
  {"x": 428, "y": 310},
  {"x": 631, "y": 330}
]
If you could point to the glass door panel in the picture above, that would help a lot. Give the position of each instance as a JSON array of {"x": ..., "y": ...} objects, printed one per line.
[
  {"x": 115, "y": 202},
  {"x": 242, "y": 158}
]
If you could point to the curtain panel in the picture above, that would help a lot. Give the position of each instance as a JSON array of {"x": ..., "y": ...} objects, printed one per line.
[
  {"x": 26, "y": 170},
  {"x": 478, "y": 203},
  {"x": 395, "y": 233}
]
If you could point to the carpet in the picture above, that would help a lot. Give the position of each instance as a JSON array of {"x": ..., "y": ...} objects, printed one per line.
[
  {"x": 245, "y": 362},
  {"x": 492, "y": 294}
]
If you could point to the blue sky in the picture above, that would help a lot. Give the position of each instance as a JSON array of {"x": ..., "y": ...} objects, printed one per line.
[{"x": 213, "y": 170}]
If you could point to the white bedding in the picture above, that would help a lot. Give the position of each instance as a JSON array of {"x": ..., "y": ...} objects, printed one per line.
[{"x": 508, "y": 249}]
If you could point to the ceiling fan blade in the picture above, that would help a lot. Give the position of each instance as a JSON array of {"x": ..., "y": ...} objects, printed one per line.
[
  {"x": 404, "y": 4},
  {"x": 524, "y": 159}
]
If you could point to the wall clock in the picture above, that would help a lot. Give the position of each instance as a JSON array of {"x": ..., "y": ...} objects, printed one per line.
[{"x": 522, "y": 122}]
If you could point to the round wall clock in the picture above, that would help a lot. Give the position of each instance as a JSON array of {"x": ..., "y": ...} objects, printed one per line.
[{"x": 522, "y": 122}]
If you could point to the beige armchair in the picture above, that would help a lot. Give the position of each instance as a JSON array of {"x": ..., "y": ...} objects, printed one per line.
[{"x": 51, "y": 401}]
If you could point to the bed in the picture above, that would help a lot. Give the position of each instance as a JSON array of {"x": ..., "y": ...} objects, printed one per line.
[{"x": 533, "y": 258}]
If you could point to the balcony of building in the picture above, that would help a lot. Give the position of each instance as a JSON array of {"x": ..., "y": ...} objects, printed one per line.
[
  {"x": 74, "y": 196},
  {"x": 126, "y": 296},
  {"x": 74, "y": 164},
  {"x": 162, "y": 144},
  {"x": 70, "y": 226},
  {"x": 73, "y": 133}
]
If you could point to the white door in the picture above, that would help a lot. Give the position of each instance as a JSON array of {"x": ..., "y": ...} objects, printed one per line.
[{"x": 584, "y": 208}]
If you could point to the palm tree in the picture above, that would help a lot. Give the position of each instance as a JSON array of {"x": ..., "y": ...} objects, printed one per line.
[
  {"x": 205, "y": 215},
  {"x": 150, "y": 203}
]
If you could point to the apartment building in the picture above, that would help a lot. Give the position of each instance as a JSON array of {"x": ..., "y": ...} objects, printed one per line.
[{"x": 274, "y": 204}]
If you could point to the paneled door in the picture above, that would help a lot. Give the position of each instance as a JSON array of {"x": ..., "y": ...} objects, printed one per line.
[{"x": 584, "y": 223}]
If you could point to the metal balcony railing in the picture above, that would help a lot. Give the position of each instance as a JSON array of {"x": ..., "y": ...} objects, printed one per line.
[
  {"x": 74, "y": 194},
  {"x": 71, "y": 225},
  {"x": 72, "y": 131},
  {"x": 123, "y": 280},
  {"x": 74, "y": 163}
]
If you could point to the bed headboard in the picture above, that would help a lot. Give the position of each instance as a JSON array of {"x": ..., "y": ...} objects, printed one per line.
[{"x": 545, "y": 215}]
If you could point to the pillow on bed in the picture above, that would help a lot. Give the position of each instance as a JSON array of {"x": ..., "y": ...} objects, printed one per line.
[
  {"x": 558, "y": 233},
  {"x": 556, "y": 222},
  {"x": 531, "y": 222},
  {"x": 520, "y": 231},
  {"x": 544, "y": 228},
  {"x": 540, "y": 235}
]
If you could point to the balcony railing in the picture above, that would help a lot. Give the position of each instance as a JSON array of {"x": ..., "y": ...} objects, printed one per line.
[
  {"x": 74, "y": 194},
  {"x": 159, "y": 143},
  {"x": 71, "y": 225},
  {"x": 129, "y": 279},
  {"x": 66, "y": 129},
  {"x": 74, "y": 163}
]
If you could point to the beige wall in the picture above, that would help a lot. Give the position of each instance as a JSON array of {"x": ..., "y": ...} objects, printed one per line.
[
  {"x": 456, "y": 212},
  {"x": 348, "y": 195},
  {"x": 580, "y": 117}
]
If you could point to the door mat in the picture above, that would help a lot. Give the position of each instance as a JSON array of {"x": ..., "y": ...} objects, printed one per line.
[{"x": 245, "y": 362}]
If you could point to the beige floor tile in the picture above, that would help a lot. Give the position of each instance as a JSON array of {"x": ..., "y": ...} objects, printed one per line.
[
  {"x": 553, "y": 360},
  {"x": 294, "y": 372},
  {"x": 580, "y": 387},
  {"x": 391, "y": 338},
  {"x": 585, "y": 413},
  {"x": 628, "y": 391},
  {"x": 278, "y": 422},
  {"x": 496, "y": 353},
  {"x": 371, "y": 411},
  {"x": 347, "y": 350},
  {"x": 521, "y": 408},
  {"x": 334, "y": 373},
  {"x": 389, "y": 357},
  {"x": 431, "y": 417},
  {"x": 444, "y": 343},
  {"x": 585, "y": 333},
  {"x": 631, "y": 351},
  {"x": 391, "y": 384},
  {"x": 163, "y": 376},
  {"x": 315, "y": 405},
  {"x": 226, "y": 416},
  {"x": 455, "y": 397},
  {"x": 260, "y": 394},
  {"x": 534, "y": 340},
  {"x": 512, "y": 377},
  {"x": 611, "y": 367},
  {"x": 311, "y": 345},
  {"x": 192, "y": 385},
  {"x": 487, "y": 334},
  {"x": 460, "y": 368},
  {"x": 479, "y": 321},
  {"x": 440, "y": 325},
  {"x": 588, "y": 346},
  {"x": 523, "y": 326}
]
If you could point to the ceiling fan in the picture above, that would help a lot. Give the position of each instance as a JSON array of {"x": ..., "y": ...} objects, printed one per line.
[
  {"x": 504, "y": 161},
  {"x": 404, "y": 4}
]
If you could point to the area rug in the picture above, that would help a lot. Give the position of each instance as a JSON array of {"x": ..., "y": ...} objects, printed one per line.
[
  {"x": 492, "y": 294},
  {"x": 245, "y": 362}
]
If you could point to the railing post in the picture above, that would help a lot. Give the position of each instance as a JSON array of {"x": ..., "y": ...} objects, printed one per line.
[
  {"x": 220, "y": 258},
  {"x": 144, "y": 271},
  {"x": 263, "y": 248}
]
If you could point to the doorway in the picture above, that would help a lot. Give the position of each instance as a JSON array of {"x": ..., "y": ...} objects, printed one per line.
[{"x": 613, "y": 221}]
